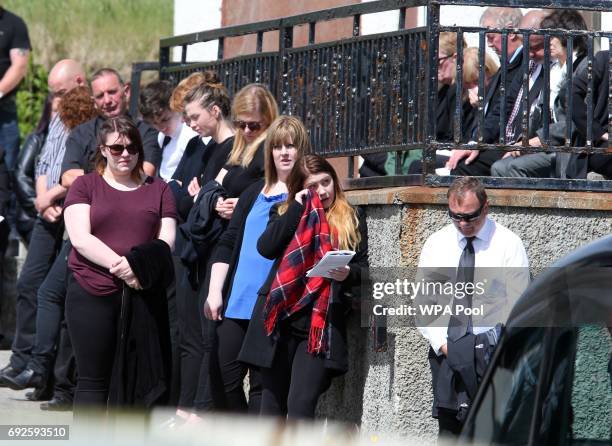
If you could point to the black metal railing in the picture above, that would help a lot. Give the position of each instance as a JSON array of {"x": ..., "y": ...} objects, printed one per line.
[
  {"x": 378, "y": 93},
  {"x": 592, "y": 38},
  {"x": 137, "y": 69}
]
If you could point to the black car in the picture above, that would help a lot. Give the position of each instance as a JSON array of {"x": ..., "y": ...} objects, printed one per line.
[{"x": 549, "y": 382}]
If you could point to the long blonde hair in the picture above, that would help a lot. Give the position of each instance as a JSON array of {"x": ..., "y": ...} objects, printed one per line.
[
  {"x": 341, "y": 216},
  {"x": 251, "y": 98}
]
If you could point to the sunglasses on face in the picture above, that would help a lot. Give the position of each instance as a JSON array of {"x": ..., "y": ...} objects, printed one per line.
[
  {"x": 253, "y": 126},
  {"x": 117, "y": 149},
  {"x": 468, "y": 218}
]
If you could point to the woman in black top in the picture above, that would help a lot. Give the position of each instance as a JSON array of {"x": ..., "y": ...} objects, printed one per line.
[
  {"x": 293, "y": 374},
  {"x": 253, "y": 110},
  {"x": 207, "y": 109}
]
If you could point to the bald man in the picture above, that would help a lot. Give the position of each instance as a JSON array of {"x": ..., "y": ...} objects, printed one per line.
[
  {"x": 46, "y": 234},
  {"x": 63, "y": 77}
]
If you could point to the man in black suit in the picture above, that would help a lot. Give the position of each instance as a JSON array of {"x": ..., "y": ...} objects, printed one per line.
[
  {"x": 474, "y": 162},
  {"x": 580, "y": 164},
  {"x": 516, "y": 164}
]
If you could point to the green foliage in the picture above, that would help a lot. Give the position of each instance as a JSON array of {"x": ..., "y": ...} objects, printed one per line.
[
  {"x": 31, "y": 97},
  {"x": 97, "y": 33}
]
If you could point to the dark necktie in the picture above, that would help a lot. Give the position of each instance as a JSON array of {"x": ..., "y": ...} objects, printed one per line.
[
  {"x": 510, "y": 129},
  {"x": 166, "y": 141},
  {"x": 460, "y": 324}
]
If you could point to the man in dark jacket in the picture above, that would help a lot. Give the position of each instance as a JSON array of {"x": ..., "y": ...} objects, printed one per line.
[
  {"x": 474, "y": 162},
  {"x": 580, "y": 165}
]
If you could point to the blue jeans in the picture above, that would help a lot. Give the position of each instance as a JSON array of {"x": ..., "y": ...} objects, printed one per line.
[{"x": 9, "y": 138}]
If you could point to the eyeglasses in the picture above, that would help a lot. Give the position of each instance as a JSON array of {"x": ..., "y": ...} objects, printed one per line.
[
  {"x": 468, "y": 218},
  {"x": 117, "y": 149},
  {"x": 253, "y": 126},
  {"x": 442, "y": 59}
]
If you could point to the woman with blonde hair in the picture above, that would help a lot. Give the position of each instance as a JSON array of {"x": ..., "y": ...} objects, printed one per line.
[
  {"x": 253, "y": 110},
  {"x": 238, "y": 270},
  {"x": 471, "y": 77},
  {"x": 297, "y": 333}
]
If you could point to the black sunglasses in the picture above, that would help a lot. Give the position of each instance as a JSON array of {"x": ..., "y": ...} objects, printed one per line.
[
  {"x": 117, "y": 149},
  {"x": 468, "y": 218},
  {"x": 253, "y": 126}
]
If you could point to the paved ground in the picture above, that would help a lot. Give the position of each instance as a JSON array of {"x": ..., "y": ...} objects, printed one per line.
[{"x": 16, "y": 409}]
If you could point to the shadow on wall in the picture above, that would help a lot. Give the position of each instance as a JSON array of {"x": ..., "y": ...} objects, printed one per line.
[{"x": 344, "y": 400}]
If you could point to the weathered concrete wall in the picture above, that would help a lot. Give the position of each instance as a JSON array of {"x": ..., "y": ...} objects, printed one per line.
[{"x": 391, "y": 391}]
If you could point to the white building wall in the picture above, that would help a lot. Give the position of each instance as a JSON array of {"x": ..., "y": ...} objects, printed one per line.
[{"x": 197, "y": 15}]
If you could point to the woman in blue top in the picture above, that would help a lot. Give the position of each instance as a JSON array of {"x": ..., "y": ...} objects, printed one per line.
[{"x": 238, "y": 270}]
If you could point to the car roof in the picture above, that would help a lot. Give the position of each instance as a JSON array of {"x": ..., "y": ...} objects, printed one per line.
[{"x": 574, "y": 291}]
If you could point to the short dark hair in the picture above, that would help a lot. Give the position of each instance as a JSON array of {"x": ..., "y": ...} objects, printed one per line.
[
  {"x": 125, "y": 127},
  {"x": 155, "y": 99},
  {"x": 105, "y": 72},
  {"x": 461, "y": 186},
  {"x": 569, "y": 20}
]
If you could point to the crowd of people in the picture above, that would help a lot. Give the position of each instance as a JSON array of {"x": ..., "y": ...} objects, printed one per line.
[
  {"x": 159, "y": 268},
  {"x": 168, "y": 257},
  {"x": 517, "y": 54}
]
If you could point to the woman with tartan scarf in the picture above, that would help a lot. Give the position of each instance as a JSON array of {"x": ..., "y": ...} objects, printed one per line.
[{"x": 297, "y": 334}]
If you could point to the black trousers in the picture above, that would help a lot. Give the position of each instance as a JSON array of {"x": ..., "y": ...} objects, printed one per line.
[
  {"x": 92, "y": 323},
  {"x": 190, "y": 340},
  {"x": 225, "y": 365},
  {"x": 296, "y": 380},
  {"x": 42, "y": 251},
  {"x": 448, "y": 424},
  {"x": 602, "y": 164},
  {"x": 175, "y": 384},
  {"x": 52, "y": 344},
  {"x": 481, "y": 166}
]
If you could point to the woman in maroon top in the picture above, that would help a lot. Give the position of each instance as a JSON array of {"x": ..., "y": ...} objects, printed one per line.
[{"x": 107, "y": 213}]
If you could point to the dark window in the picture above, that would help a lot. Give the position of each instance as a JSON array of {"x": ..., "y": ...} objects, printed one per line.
[{"x": 504, "y": 415}]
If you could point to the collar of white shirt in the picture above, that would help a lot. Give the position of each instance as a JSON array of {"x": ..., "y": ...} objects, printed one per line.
[{"x": 484, "y": 235}]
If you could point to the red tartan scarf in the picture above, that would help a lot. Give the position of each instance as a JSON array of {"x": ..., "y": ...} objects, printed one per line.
[{"x": 291, "y": 290}]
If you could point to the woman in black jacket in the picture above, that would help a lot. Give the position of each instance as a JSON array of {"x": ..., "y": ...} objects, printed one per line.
[
  {"x": 304, "y": 348},
  {"x": 253, "y": 110},
  {"x": 238, "y": 270}
]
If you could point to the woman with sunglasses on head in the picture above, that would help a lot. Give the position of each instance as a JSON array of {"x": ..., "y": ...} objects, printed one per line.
[
  {"x": 298, "y": 338},
  {"x": 109, "y": 213},
  {"x": 238, "y": 270}
]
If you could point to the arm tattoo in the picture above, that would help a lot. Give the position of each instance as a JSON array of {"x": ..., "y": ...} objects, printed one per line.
[{"x": 22, "y": 51}]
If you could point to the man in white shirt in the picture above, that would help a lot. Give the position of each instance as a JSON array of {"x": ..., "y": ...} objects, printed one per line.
[
  {"x": 173, "y": 133},
  {"x": 495, "y": 257}
]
